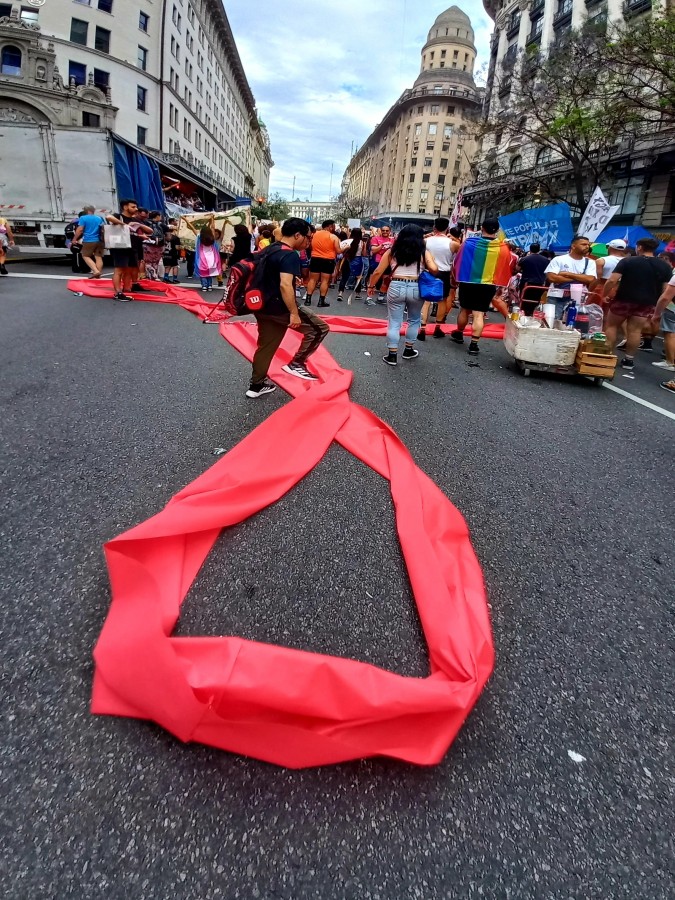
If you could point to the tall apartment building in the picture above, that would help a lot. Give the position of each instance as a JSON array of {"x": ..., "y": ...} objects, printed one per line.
[
  {"x": 419, "y": 156},
  {"x": 641, "y": 183},
  {"x": 165, "y": 75}
]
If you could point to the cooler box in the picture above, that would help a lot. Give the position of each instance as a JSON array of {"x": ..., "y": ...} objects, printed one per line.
[{"x": 545, "y": 346}]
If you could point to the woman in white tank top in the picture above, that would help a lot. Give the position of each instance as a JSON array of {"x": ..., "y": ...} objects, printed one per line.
[
  {"x": 407, "y": 258},
  {"x": 443, "y": 247}
]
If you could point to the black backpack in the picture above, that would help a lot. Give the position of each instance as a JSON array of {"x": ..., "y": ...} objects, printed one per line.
[{"x": 243, "y": 290}]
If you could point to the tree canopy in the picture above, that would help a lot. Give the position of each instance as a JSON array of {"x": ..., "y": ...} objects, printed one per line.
[{"x": 275, "y": 208}]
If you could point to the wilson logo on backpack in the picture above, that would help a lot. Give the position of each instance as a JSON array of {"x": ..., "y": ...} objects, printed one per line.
[{"x": 244, "y": 288}]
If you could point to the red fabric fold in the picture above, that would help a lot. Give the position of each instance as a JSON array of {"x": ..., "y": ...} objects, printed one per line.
[
  {"x": 277, "y": 704},
  {"x": 191, "y": 300}
]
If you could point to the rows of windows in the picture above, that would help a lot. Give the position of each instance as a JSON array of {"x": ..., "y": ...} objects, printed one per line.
[{"x": 103, "y": 5}]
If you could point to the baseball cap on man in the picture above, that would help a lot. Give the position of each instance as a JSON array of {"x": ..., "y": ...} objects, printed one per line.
[{"x": 617, "y": 244}]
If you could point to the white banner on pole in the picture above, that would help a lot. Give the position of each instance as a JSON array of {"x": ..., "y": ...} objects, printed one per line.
[
  {"x": 353, "y": 223},
  {"x": 597, "y": 216}
]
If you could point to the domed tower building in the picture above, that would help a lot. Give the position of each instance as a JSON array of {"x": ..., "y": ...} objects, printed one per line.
[{"x": 419, "y": 156}]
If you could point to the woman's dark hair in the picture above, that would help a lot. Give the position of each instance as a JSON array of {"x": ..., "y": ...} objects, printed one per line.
[
  {"x": 409, "y": 246},
  {"x": 266, "y": 232},
  {"x": 456, "y": 232},
  {"x": 356, "y": 236},
  {"x": 342, "y": 235},
  {"x": 241, "y": 230},
  {"x": 154, "y": 214},
  {"x": 206, "y": 236}
]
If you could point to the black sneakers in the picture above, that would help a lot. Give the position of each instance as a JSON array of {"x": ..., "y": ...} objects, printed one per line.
[
  {"x": 257, "y": 390},
  {"x": 339, "y": 299},
  {"x": 123, "y": 298},
  {"x": 390, "y": 359},
  {"x": 457, "y": 337},
  {"x": 3, "y": 270},
  {"x": 308, "y": 301},
  {"x": 474, "y": 349},
  {"x": 297, "y": 369},
  {"x": 438, "y": 333},
  {"x": 322, "y": 304},
  {"x": 627, "y": 363},
  {"x": 410, "y": 353},
  {"x": 422, "y": 335}
]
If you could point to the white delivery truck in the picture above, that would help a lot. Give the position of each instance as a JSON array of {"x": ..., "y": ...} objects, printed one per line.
[{"x": 48, "y": 173}]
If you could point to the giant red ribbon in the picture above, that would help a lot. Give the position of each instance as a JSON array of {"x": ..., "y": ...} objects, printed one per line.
[
  {"x": 189, "y": 299},
  {"x": 277, "y": 704}
]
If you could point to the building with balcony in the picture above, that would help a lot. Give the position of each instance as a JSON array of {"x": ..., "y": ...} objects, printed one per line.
[
  {"x": 419, "y": 156},
  {"x": 164, "y": 75},
  {"x": 314, "y": 211},
  {"x": 641, "y": 180}
]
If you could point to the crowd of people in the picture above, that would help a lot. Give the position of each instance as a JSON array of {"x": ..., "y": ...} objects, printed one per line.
[{"x": 478, "y": 272}]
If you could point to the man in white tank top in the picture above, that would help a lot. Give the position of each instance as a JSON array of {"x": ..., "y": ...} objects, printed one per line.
[
  {"x": 606, "y": 265},
  {"x": 443, "y": 249}
]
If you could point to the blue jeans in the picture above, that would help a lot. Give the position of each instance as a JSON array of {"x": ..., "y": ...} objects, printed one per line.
[
  {"x": 403, "y": 295},
  {"x": 206, "y": 282}
]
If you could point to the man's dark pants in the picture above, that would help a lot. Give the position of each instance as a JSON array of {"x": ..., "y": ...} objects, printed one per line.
[{"x": 271, "y": 331}]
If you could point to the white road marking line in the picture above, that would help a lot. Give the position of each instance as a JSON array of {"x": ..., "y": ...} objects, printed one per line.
[
  {"x": 658, "y": 409},
  {"x": 46, "y": 277}
]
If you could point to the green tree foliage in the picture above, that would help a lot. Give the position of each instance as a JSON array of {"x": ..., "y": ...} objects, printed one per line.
[
  {"x": 569, "y": 106},
  {"x": 641, "y": 55},
  {"x": 275, "y": 208}
]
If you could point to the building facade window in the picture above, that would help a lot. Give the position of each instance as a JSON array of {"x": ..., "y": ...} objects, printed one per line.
[
  {"x": 78, "y": 31},
  {"x": 90, "y": 120},
  {"x": 77, "y": 72},
  {"x": 105, "y": 5},
  {"x": 102, "y": 40},
  {"x": 102, "y": 79},
  {"x": 141, "y": 136},
  {"x": 141, "y": 98},
  {"x": 142, "y": 58},
  {"x": 143, "y": 21},
  {"x": 433, "y": 128}
]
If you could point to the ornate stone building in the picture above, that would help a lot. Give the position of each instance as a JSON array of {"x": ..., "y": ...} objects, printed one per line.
[
  {"x": 419, "y": 156},
  {"x": 164, "y": 75},
  {"x": 32, "y": 89},
  {"x": 641, "y": 181}
]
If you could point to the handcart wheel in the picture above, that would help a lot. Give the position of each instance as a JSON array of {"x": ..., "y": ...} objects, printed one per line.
[
  {"x": 526, "y": 372},
  {"x": 598, "y": 381}
]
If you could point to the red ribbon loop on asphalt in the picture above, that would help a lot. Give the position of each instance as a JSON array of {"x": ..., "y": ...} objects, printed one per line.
[{"x": 286, "y": 706}]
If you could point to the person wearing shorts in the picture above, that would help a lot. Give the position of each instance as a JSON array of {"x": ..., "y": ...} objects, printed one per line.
[
  {"x": 325, "y": 249},
  {"x": 477, "y": 285},
  {"x": 89, "y": 234},
  {"x": 126, "y": 261},
  {"x": 633, "y": 290},
  {"x": 443, "y": 248}
]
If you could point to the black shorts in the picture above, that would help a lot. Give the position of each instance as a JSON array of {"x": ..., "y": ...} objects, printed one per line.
[
  {"x": 446, "y": 279},
  {"x": 476, "y": 297},
  {"x": 322, "y": 266},
  {"x": 124, "y": 259}
]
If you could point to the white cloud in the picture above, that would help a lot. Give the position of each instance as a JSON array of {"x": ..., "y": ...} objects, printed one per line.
[{"x": 325, "y": 73}]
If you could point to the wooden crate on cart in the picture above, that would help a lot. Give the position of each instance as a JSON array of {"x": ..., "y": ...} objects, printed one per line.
[{"x": 595, "y": 365}]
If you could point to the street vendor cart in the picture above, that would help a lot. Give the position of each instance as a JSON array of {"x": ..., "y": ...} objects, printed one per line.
[{"x": 537, "y": 348}]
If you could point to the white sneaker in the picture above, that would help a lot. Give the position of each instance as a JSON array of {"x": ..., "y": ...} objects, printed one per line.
[
  {"x": 621, "y": 344},
  {"x": 664, "y": 364},
  {"x": 265, "y": 388},
  {"x": 299, "y": 371}
]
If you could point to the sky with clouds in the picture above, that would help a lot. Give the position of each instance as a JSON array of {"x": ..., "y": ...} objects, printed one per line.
[{"x": 325, "y": 73}]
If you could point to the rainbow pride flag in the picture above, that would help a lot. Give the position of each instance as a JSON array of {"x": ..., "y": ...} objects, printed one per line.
[{"x": 483, "y": 261}]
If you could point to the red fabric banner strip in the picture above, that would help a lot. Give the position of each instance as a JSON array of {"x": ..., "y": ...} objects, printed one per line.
[
  {"x": 191, "y": 300},
  {"x": 286, "y": 706}
]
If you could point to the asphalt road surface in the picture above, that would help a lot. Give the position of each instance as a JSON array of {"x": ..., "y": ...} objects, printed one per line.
[{"x": 108, "y": 409}]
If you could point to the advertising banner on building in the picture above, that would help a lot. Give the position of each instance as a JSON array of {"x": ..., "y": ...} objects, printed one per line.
[
  {"x": 597, "y": 216},
  {"x": 550, "y": 226},
  {"x": 191, "y": 224}
]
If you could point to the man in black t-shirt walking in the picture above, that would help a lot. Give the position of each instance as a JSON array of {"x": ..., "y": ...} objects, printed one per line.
[
  {"x": 280, "y": 310},
  {"x": 633, "y": 290}
]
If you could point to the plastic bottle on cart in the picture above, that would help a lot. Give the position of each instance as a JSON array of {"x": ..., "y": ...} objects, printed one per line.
[
  {"x": 571, "y": 314},
  {"x": 582, "y": 322},
  {"x": 539, "y": 313},
  {"x": 595, "y": 318}
]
